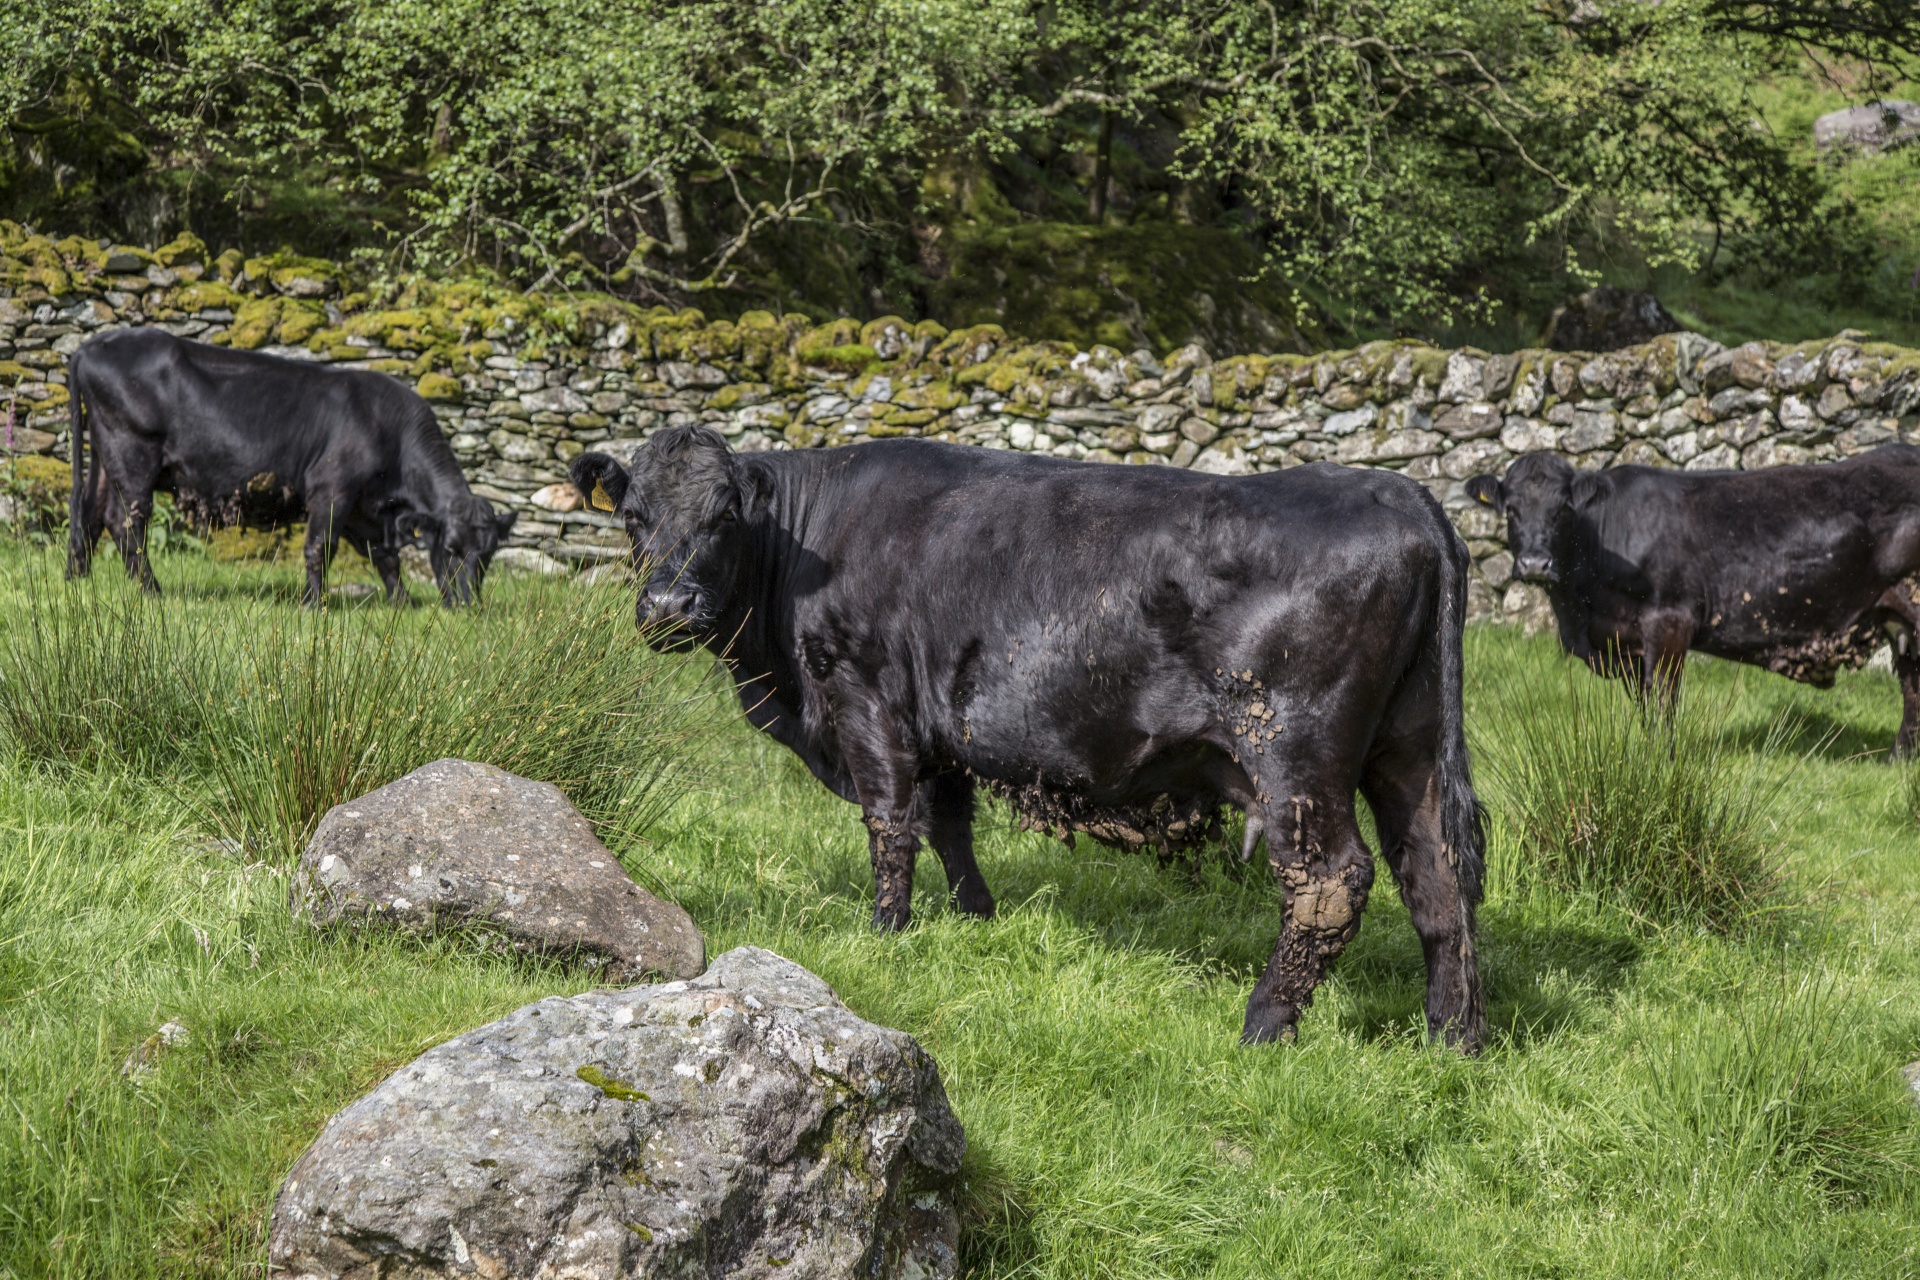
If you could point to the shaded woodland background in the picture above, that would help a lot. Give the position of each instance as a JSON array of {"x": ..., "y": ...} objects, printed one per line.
[{"x": 1254, "y": 174}]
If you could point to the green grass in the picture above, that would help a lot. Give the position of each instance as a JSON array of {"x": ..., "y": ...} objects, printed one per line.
[
  {"x": 1652, "y": 806},
  {"x": 1657, "y": 1100}
]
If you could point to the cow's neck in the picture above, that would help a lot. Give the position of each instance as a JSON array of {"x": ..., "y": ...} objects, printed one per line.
[{"x": 757, "y": 635}]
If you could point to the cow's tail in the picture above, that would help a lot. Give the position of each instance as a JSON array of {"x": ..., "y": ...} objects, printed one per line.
[
  {"x": 1462, "y": 820},
  {"x": 79, "y": 553}
]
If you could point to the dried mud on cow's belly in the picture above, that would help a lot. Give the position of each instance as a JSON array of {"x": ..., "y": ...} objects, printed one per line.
[
  {"x": 264, "y": 502},
  {"x": 1816, "y": 659},
  {"x": 1168, "y": 824}
]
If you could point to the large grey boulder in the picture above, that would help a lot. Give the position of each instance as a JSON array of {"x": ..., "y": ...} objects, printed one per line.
[
  {"x": 745, "y": 1124},
  {"x": 458, "y": 844},
  {"x": 1872, "y": 126}
]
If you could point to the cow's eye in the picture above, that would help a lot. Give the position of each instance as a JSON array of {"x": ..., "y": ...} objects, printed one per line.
[{"x": 729, "y": 516}]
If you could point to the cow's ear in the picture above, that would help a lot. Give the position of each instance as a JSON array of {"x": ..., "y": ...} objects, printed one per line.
[
  {"x": 601, "y": 480},
  {"x": 756, "y": 489},
  {"x": 504, "y": 521},
  {"x": 1488, "y": 491}
]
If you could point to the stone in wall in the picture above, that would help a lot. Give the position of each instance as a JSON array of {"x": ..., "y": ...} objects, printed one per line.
[{"x": 521, "y": 386}]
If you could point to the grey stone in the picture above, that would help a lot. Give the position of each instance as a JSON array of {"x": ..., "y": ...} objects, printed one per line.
[
  {"x": 1773, "y": 453},
  {"x": 1342, "y": 424},
  {"x": 554, "y": 400},
  {"x": 1471, "y": 458},
  {"x": 1388, "y": 446},
  {"x": 1199, "y": 430},
  {"x": 1833, "y": 401},
  {"x": 1463, "y": 379},
  {"x": 1498, "y": 568},
  {"x": 1591, "y": 431},
  {"x": 746, "y": 1124},
  {"x": 1720, "y": 457},
  {"x": 527, "y": 559},
  {"x": 1096, "y": 417},
  {"x": 680, "y": 375},
  {"x": 1224, "y": 458},
  {"x": 1738, "y": 400},
  {"x": 1471, "y": 421},
  {"x": 461, "y": 844},
  {"x": 1527, "y": 435},
  {"x": 1871, "y": 126}
]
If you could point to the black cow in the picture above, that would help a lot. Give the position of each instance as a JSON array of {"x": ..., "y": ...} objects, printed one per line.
[
  {"x": 1801, "y": 570},
  {"x": 1116, "y": 650},
  {"x": 245, "y": 438}
]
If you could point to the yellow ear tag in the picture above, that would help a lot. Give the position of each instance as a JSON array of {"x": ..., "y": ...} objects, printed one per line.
[{"x": 600, "y": 500}]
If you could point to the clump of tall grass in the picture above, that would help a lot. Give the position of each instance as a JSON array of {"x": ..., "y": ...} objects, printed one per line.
[
  {"x": 1656, "y": 809},
  {"x": 276, "y": 714}
]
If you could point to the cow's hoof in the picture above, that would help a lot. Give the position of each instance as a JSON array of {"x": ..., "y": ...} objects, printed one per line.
[
  {"x": 1277, "y": 1024},
  {"x": 891, "y": 921},
  {"x": 978, "y": 904}
]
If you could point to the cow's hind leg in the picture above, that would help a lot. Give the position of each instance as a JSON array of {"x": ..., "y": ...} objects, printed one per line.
[
  {"x": 947, "y": 799},
  {"x": 84, "y": 534},
  {"x": 1325, "y": 871},
  {"x": 1403, "y": 788},
  {"x": 1906, "y": 666},
  {"x": 322, "y": 538}
]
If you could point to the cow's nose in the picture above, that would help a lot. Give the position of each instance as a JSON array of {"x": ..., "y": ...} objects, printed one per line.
[
  {"x": 673, "y": 607},
  {"x": 1535, "y": 567}
]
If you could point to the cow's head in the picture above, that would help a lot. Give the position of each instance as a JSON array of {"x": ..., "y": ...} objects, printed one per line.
[
  {"x": 684, "y": 504},
  {"x": 464, "y": 546},
  {"x": 1537, "y": 499}
]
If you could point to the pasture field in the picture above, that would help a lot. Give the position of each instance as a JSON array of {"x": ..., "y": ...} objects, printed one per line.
[{"x": 1659, "y": 1099}]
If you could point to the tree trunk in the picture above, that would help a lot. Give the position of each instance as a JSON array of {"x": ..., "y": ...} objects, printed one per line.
[{"x": 1102, "y": 170}]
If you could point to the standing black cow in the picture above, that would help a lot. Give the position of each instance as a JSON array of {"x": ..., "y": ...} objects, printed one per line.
[
  {"x": 1801, "y": 570},
  {"x": 1116, "y": 650},
  {"x": 241, "y": 437}
]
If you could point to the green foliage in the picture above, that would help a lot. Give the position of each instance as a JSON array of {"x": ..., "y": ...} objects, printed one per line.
[
  {"x": 1657, "y": 811},
  {"x": 1404, "y": 164}
]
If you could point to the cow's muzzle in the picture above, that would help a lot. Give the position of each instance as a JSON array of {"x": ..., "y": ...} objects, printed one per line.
[
  {"x": 672, "y": 619},
  {"x": 1535, "y": 567}
]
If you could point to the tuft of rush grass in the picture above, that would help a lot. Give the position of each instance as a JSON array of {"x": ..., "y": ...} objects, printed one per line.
[
  {"x": 1653, "y": 1103},
  {"x": 1653, "y": 807},
  {"x": 275, "y": 715}
]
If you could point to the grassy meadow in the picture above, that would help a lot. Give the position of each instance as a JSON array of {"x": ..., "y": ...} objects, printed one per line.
[{"x": 1671, "y": 1089}]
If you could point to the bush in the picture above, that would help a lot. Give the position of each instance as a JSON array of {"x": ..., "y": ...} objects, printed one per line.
[
  {"x": 1659, "y": 813},
  {"x": 277, "y": 714},
  {"x": 38, "y": 486}
]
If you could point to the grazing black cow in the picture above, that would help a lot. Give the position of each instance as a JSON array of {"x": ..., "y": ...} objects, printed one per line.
[
  {"x": 1801, "y": 570},
  {"x": 245, "y": 438},
  {"x": 1116, "y": 650}
]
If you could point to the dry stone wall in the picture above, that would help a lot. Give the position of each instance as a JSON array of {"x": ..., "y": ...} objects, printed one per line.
[{"x": 523, "y": 386}]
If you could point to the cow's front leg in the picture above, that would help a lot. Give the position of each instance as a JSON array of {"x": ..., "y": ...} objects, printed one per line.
[
  {"x": 947, "y": 799},
  {"x": 386, "y": 561},
  {"x": 1663, "y": 657},
  {"x": 1325, "y": 871},
  {"x": 883, "y": 767}
]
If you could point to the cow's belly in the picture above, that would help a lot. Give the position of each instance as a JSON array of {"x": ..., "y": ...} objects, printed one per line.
[{"x": 1122, "y": 756}]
